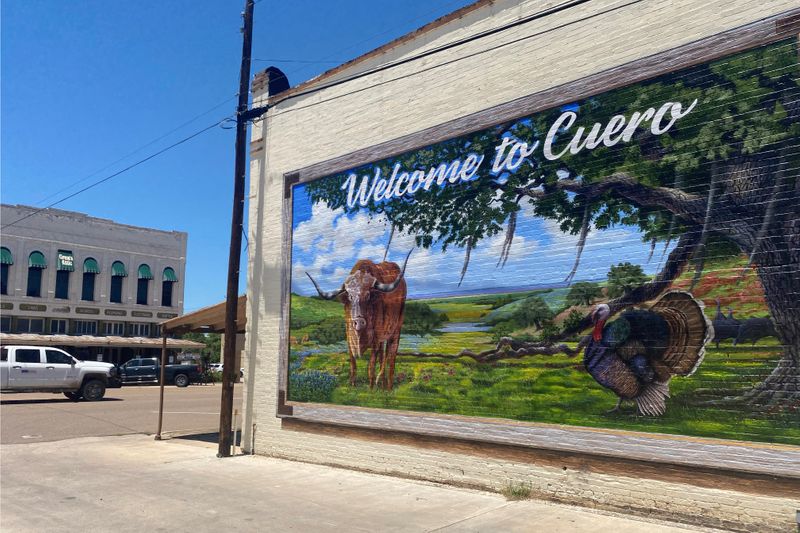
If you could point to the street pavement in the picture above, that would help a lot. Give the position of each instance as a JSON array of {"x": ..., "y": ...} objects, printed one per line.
[
  {"x": 35, "y": 417},
  {"x": 133, "y": 483}
]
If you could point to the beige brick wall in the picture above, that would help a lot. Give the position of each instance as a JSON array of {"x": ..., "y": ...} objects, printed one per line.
[{"x": 333, "y": 122}]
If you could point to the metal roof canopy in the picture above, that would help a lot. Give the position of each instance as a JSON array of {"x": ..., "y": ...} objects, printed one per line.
[
  {"x": 209, "y": 319},
  {"x": 35, "y": 339},
  {"x": 206, "y": 320}
]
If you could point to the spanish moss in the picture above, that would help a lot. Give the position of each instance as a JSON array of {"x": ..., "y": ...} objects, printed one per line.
[{"x": 581, "y": 243}]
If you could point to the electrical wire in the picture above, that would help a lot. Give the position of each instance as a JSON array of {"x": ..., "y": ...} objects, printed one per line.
[
  {"x": 296, "y": 61},
  {"x": 374, "y": 36},
  {"x": 137, "y": 150},
  {"x": 115, "y": 174},
  {"x": 524, "y": 20}
]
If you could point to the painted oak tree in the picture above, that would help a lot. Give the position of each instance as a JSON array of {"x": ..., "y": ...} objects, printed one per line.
[{"x": 722, "y": 180}]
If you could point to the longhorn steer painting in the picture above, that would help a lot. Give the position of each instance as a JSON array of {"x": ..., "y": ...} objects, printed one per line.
[
  {"x": 374, "y": 297},
  {"x": 570, "y": 260}
]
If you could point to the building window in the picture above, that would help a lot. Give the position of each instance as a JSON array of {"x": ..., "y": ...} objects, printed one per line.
[
  {"x": 4, "y": 283},
  {"x": 90, "y": 270},
  {"x": 58, "y": 327},
  {"x": 115, "y": 328},
  {"x": 30, "y": 325},
  {"x": 5, "y": 324},
  {"x": 169, "y": 278},
  {"x": 7, "y": 260},
  {"x": 118, "y": 273},
  {"x": 36, "y": 263},
  {"x": 65, "y": 263},
  {"x": 166, "y": 293},
  {"x": 145, "y": 275},
  {"x": 62, "y": 284},
  {"x": 87, "y": 293},
  {"x": 140, "y": 330},
  {"x": 85, "y": 327}
]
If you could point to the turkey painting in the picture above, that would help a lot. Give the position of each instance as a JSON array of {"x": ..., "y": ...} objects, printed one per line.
[{"x": 626, "y": 261}]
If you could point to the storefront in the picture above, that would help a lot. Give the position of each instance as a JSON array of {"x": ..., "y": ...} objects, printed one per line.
[{"x": 543, "y": 247}]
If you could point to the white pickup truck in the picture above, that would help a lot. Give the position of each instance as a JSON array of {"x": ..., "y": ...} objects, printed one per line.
[{"x": 44, "y": 369}]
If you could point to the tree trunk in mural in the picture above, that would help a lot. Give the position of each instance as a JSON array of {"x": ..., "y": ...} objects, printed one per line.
[{"x": 782, "y": 290}]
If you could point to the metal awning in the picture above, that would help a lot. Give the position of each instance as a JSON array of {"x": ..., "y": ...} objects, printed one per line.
[
  {"x": 5, "y": 256},
  {"x": 118, "y": 269},
  {"x": 65, "y": 261},
  {"x": 34, "y": 339},
  {"x": 207, "y": 320},
  {"x": 169, "y": 275},
  {"x": 37, "y": 260},
  {"x": 90, "y": 266},
  {"x": 144, "y": 272}
]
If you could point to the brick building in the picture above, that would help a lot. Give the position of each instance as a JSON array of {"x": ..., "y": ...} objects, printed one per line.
[{"x": 521, "y": 127}]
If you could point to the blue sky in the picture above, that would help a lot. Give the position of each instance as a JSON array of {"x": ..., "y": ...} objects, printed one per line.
[
  {"x": 86, "y": 83},
  {"x": 326, "y": 244}
]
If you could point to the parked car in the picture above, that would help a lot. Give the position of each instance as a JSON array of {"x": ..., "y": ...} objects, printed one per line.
[
  {"x": 217, "y": 367},
  {"x": 148, "y": 370},
  {"x": 45, "y": 369}
]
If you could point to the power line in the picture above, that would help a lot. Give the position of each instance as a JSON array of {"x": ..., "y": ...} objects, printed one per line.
[
  {"x": 115, "y": 174},
  {"x": 439, "y": 49},
  {"x": 309, "y": 61},
  {"x": 423, "y": 16},
  {"x": 139, "y": 149}
]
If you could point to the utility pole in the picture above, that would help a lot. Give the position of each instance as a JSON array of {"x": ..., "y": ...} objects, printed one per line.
[{"x": 232, "y": 299}]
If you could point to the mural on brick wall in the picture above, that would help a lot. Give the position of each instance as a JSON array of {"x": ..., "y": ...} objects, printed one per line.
[{"x": 629, "y": 261}]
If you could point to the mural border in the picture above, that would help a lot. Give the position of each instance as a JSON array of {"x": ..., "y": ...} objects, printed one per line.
[{"x": 688, "y": 451}]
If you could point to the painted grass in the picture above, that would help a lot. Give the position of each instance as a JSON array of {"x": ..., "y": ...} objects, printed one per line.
[{"x": 558, "y": 390}]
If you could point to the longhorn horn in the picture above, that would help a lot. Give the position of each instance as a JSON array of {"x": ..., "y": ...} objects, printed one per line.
[
  {"x": 326, "y": 295},
  {"x": 389, "y": 287}
]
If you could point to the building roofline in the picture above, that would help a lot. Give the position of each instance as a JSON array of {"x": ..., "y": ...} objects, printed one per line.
[
  {"x": 260, "y": 78},
  {"x": 78, "y": 214}
]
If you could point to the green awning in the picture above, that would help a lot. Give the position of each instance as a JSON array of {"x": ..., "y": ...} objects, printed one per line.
[
  {"x": 65, "y": 261},
  {"x": 5, "y": 256},
  {"x": 169, "y": 275},
  {"x": 144, "y": 272},
  {"x": 118, "y": 269},
  {"x": 90, "y": 266},
  {"x": 36, "y": 260}
]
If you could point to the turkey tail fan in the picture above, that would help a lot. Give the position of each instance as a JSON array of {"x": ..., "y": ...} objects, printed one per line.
[
  {"x": 689, "y": 328},
  {"x": 652, "y": 400}
]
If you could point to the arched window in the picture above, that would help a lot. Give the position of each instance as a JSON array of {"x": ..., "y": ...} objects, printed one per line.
[
  {"x": 36, "y": 263},
  {"x": 169, "y": 280},
  {"x": 118, "y": 273},
  {"x": 90, "y": 270},
  {"x": 7, "y": 260},
  {"x": 65, "y": 264},
  {"x": 145, "y": 275}
]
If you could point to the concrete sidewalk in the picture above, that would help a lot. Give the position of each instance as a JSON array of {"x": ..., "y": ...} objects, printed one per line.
[{"x": 133, "y": 483}]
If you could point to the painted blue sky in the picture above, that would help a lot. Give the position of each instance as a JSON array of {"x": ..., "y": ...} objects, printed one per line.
[{"x": 326, "y": 243}]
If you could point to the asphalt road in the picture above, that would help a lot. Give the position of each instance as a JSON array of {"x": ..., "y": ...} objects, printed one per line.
[{"x": 41, "y": 417}]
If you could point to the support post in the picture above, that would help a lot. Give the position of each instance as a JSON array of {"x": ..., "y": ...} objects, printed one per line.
[
  {"x": 161, "y": 381},
  {"x": 232, "y": 297}
]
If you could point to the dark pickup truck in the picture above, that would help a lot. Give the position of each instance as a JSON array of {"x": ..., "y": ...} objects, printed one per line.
[{"x": 148, "y": 370}]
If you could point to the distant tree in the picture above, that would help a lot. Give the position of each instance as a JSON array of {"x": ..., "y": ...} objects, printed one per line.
[
  {"x": 213, "y": 345},
  {"x": 623, "y": 278},
  {"x": 583, "y": 293},
  {"x": 420, "y": 319},
  {"x": 572, "y": 321},
  {"x": 533, "y": 311}
]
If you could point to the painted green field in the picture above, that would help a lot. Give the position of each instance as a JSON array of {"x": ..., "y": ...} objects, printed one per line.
[{"x": 550, "y": 389}]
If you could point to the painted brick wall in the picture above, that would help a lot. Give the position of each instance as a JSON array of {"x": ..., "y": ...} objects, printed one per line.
[{"x": 299, "y": 132}]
